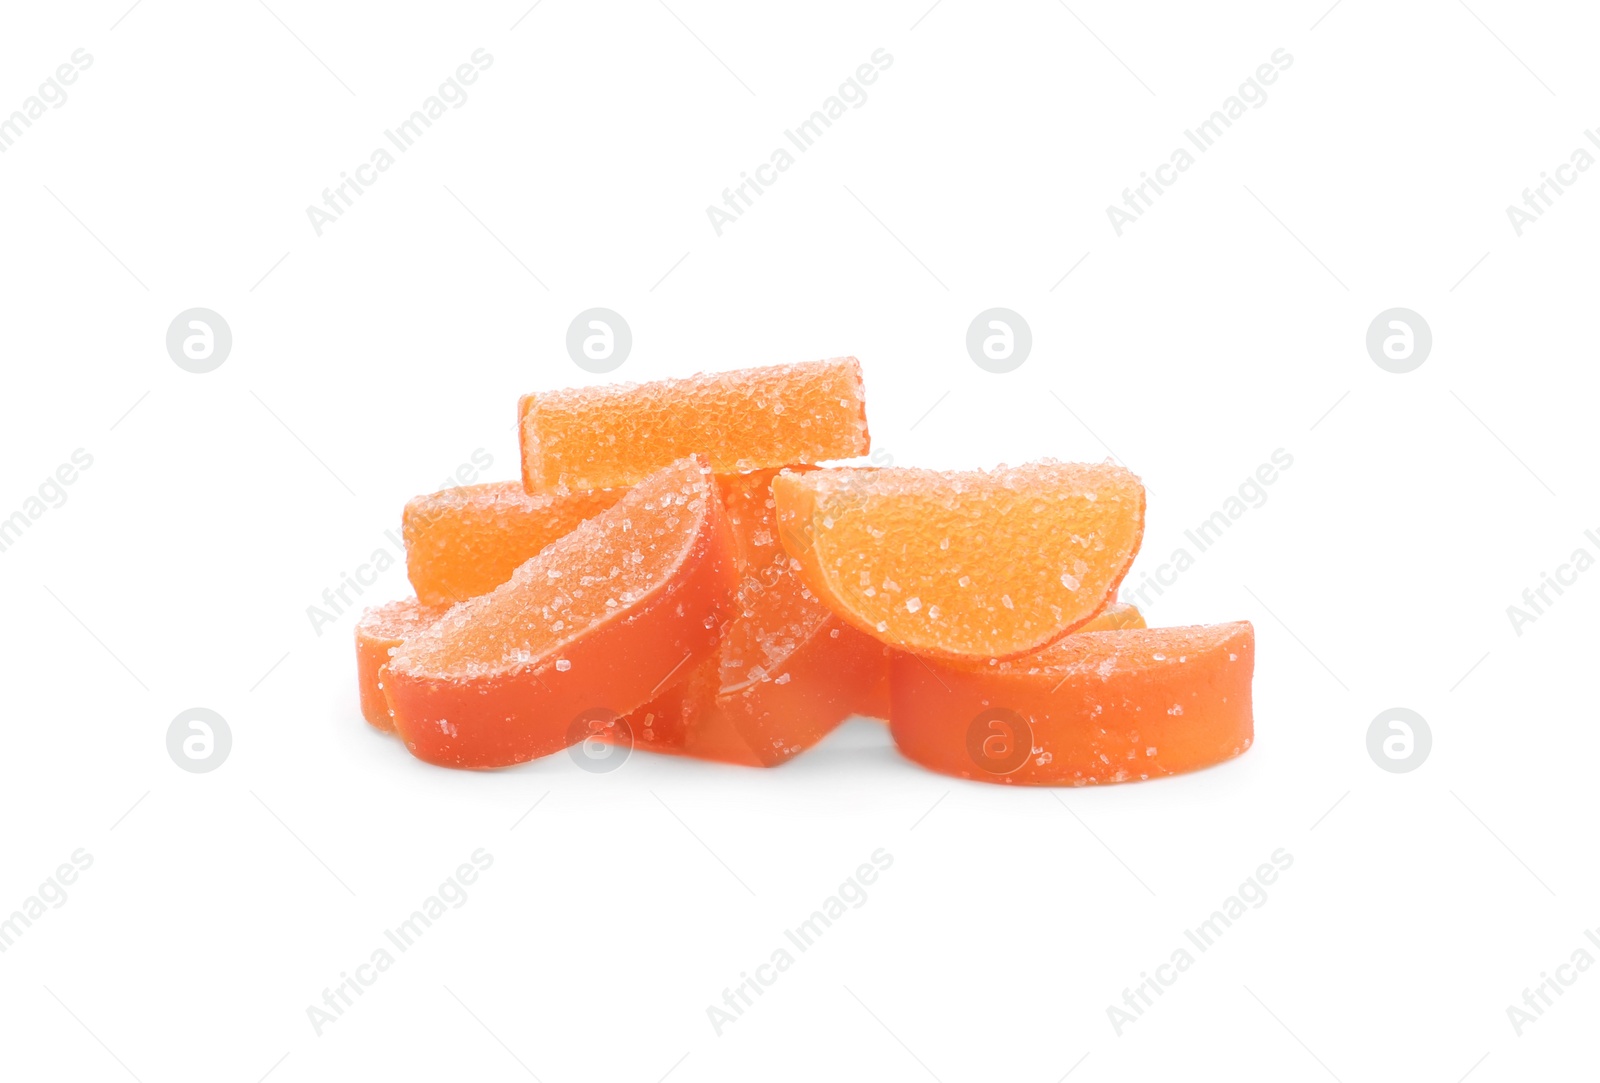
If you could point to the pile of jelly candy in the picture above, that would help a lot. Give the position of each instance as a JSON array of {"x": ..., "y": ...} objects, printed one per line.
[{"x": 678, "y": 571}]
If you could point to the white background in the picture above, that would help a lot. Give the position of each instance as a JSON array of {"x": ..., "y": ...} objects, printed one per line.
[{"x": 372, "y": 361}]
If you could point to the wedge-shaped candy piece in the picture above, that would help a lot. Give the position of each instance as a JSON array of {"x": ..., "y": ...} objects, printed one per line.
[
  {"x": 1095, "y": 707},
  {"x": 466, "y": 541},
  {"x": 788, "y": 671},
  {"x": 597, "y": 621},
  {"x": 964, "y": 564},
  {"x": 752, "y": 419},
  {"x": 381, "y": 630}
]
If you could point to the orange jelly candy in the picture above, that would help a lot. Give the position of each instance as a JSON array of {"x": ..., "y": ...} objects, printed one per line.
[
  {"x": 967, "y": 564},
  {"x": 752, "y": 419},
  {"x": 380, "y": 630},
  {"x": 788, "y": 671},
  {"x": 464, "y": 542},
  {"x": 1095, "y": 707},
  {"x": 596, "y": 622},
  {"x": 1112, "y": 617}
]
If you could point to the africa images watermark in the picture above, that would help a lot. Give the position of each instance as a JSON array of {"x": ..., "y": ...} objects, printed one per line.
[
  {"x": 1251, "y": 895},
  {"x": 52, "y": 493},
  {"x": 1539, "y": 198},
  {"x": 852, "y": 94},
  {"x": 1566, "y": 575},
  {"x": 52, "y": 894},
  {"x": 1252, "y": 94},
  {"x": 1252, "y": 493},
  {"x": 451, "y": 895},
  {"x": 52, "y": 93},
  {"x": 342, "y": 597},
  {"x": 452, "y": 94},
  {"x": 851, "y": 895},
  {"x": 1538, "y": 998}
]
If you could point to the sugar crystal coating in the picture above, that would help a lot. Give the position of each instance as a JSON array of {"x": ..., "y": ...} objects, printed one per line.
[
  {"x": 597, "y": 620},
  {"x": 777, "y": 612},
  {"x": 750, "y": 419},
  {"x": 466, "y": 541},
  {"x": 379, "y": 632},
  {"x": 1094, "y": 707},
  {"x": 1131, "y": 650},
  {"x": 787, "y": 672},
  {"x": 997, "y": 563},
  {"x": 580, "y": 580}
]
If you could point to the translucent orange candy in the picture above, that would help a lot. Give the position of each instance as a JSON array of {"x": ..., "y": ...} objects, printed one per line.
[
  {"x": 598, "y": 621},
  {"x": 380, "y": 630},
  {"x": 788, "y": 671},
  {"x": 466, "y": 541},
  {"x": 753, "y": 419},
  {"x": 1096, "y": 707},
  {"x": 979, "y": 564}
]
